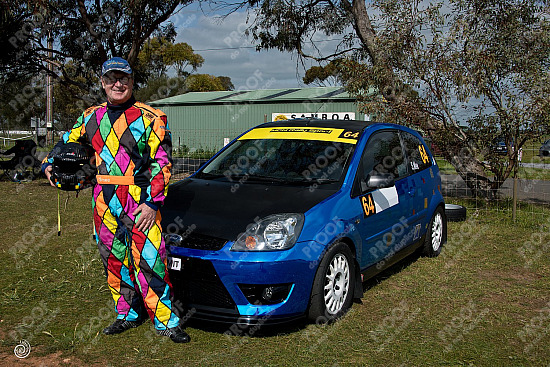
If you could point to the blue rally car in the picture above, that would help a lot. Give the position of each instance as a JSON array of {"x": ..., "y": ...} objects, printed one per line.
[{"x": 291, "y": 217}]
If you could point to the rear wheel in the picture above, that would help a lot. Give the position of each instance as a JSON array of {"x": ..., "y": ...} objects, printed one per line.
[
  {"x": 332, "y": 292},
  {"x": 435, "y": 234}
]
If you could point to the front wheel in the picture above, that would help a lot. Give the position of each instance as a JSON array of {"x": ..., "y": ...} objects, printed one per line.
[
  {"x": 435, "y": 234},
  {"x": 332, "y": 292}
]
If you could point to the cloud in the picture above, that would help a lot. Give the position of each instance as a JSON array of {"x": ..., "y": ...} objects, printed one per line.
[{"x": 228, "y": 51}]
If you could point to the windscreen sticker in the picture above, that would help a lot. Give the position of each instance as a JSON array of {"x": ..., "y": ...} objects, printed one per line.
[
  {"x": 379, "y": 200},
  {"x": 423, "y": 154},
  {"x": 303, "y": 133}
]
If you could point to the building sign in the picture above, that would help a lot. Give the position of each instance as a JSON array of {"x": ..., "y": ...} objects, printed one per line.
[{"x": 317, "y": 115}]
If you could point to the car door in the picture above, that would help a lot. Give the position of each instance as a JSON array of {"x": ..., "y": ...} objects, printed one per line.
[
  {"x": 420, "y": 183},
  {"x": 383, "y": 209}
]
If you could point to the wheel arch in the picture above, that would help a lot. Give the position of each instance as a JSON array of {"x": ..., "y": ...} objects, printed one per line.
[
  {"x": 442, "y": 207},
  {"x": 358, "y": 285}
]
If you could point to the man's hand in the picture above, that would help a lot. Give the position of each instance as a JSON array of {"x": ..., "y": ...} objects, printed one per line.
[
  {"x": 147, "y": 218},
  {"x": 48, "y": 173}
]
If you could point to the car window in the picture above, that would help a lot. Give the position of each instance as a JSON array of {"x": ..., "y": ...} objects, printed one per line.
[
  {"x": 289, "y": 160},
  {"x": 383, "y": 154},
  {"x": 417, "y": 153}
]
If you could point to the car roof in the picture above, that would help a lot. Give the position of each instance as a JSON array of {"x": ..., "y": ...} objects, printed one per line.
[{"x": 311, "y": 122}]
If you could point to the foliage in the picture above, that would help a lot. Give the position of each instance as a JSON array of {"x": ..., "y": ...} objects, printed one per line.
[
  {"x": 324, "y": 75},
  {"x": 15, "y": 113},
  {"x": 158, "y": 54},
  {"x": 70, "y": 40},
  {"x": 204, "y": 83},
  {"x": 85, "y": 31},
  {"x": 438, "y": 66}
]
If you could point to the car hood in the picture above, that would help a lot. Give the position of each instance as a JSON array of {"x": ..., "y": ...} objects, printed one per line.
[{"x": 211, "y": 208}]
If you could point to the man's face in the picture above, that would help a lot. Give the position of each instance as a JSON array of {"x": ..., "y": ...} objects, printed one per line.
[{"x": 117, "y": 92}]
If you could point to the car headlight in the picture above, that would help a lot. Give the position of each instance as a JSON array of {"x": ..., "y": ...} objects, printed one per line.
[{"x": 272, "y": 233}]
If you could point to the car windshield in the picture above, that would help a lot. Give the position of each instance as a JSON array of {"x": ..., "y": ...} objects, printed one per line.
[{"x": 280, "y": 160}]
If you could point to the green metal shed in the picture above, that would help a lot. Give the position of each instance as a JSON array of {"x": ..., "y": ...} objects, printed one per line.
[{"x": 208, "y": 120}]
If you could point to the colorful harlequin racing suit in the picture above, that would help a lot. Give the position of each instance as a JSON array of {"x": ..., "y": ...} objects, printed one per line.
[{"x": 130, "y": 140}]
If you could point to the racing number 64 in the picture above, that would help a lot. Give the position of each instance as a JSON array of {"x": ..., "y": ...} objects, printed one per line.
[{"x": 368, "y": 205}]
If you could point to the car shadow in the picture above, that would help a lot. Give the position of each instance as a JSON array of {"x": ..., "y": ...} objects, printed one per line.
[{"x": 387, "y": 273}]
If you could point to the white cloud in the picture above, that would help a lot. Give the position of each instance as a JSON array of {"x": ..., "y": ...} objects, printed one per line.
[{"x": 247, "y": 68}]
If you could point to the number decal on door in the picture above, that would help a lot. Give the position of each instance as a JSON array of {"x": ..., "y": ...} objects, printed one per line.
[{"x": 368, "y": 205}]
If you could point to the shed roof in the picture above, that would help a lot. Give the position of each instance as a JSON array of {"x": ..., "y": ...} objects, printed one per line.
[{"x": 258, "y": 96}]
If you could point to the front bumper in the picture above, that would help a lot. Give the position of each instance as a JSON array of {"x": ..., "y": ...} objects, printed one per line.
[{"x": 213, "y": 285}]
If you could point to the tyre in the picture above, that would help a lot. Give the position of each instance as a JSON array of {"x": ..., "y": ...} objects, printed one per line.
[
  {"x": 435, "y": 234},
  {"x": 455, "y": 213},
  {"x": 332, "y": 292}
]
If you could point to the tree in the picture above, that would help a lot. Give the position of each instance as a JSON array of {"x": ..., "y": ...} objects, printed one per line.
[
  {"x": 204, "y": 83},
  {"x": 70, "y": 40},
  {"x": 29, "y": 91},
  {"x": 86, "y": 32},
  {"x": 159, "y": 54},
  {"x": 324, "y": 75},
  {"x": 438, "y": 67}
]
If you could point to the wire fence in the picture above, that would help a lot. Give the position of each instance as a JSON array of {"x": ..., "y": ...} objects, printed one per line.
[
  {"x": 532, "y": 190},
  {"x": 531, "y": 193},
  {"x": 192, "y": 148}
]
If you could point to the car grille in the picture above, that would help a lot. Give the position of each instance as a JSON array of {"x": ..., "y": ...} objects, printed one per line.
[
  {"x": 199, "y": 284},
  {"x": 202, "y": 242}
]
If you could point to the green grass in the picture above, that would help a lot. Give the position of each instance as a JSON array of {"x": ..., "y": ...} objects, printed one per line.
[{"x": 483, "y": 302}]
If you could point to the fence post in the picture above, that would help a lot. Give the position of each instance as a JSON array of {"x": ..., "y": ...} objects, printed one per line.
[{"x": 515, "y": 189}]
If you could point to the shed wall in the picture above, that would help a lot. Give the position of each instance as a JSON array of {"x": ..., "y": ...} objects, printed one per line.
[{"x": 204, "y": 126}]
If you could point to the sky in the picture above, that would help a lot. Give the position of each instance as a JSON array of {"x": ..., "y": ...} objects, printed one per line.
[{"x": 228, "y": 51}]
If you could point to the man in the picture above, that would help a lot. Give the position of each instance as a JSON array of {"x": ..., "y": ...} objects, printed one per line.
[{"x": 133, "y": 149}]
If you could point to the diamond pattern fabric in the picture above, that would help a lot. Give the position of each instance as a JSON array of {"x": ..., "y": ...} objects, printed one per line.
[{"x": 134, "y": 143}]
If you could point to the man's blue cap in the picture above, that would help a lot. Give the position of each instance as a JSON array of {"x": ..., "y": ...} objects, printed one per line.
[{"x": 116, "y": 64}]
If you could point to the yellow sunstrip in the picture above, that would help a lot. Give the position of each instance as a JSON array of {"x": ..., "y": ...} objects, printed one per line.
[{"x": 303, "y": 133}]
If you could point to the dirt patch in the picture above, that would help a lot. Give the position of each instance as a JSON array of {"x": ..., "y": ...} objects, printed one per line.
[
  {"x": 37, "y": 359},
  {"x": 515, "y": 275},
  {"x": 512, "y": 279}
]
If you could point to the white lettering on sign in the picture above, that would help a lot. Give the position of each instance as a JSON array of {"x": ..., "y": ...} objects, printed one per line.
[{"x": 318, "y": 115}]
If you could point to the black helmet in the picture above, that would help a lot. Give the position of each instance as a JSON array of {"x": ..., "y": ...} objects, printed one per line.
[{"x": 73, "y": 166}]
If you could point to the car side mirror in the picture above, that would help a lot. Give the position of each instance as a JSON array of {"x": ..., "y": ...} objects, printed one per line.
[{"x": 380, "y": 180}]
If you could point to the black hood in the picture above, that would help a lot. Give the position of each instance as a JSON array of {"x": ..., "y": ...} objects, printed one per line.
[{"x": 212, "y": 209}]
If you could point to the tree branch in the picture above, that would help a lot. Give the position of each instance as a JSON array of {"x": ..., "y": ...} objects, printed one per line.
[{"x": 84, "y": 14}]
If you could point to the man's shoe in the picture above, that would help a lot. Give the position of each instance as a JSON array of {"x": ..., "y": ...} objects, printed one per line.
[
  {"x": 177, "y": 334},
  {"x": 120, "y": 326}
]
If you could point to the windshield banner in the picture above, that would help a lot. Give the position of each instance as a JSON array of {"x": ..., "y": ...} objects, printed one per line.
[{"x": 304, "y": 133}]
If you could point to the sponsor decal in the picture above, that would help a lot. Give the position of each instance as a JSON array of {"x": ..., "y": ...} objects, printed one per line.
[
  {"x": 379, "y": 200},
  {"x": 174, "y": 263},
  {"x": 416, "y": 232},
  {"x": 303, "y": 133}
]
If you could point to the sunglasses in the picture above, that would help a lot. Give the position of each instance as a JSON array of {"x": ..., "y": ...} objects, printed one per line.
[{"x": 108, "y": 79}]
